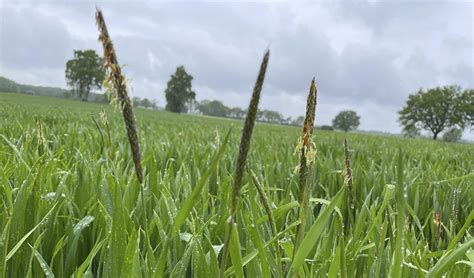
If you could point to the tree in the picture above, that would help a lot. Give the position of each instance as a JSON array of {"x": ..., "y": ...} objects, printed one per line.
[
  {"x": 271, "y": 116},
  {"x": 326, "y": 127},
  {"x": 136, "y": 101},
  {"x": 179, "y": 91},
  {"x": 466, "y": 106},
  {"x": 154, "y": 104},
  {"x": 213, "y": 108},
  {"x": 411, "y": 131},
  {"x": 287, "y": 121},
  {"x": 146, "y": 103},
  {"x": 237, "y": 112},
  {"x": 346, "y": 120},
  {"x": 437, "y": 109},
  {"x": 452, "y": 135},
  {"x": 299, "y": 121},
  {"x": 84, "y": 72}
]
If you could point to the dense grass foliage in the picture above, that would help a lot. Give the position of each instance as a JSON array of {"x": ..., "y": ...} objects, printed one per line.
[{"x": 70, "y": 203}]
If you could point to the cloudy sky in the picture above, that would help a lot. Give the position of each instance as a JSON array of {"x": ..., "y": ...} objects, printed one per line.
[{"x": 367, "y": 56}]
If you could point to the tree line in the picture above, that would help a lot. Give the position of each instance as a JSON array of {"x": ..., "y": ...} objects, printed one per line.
[
  {"x": 181, "y": 98},
  {"x": 446, "y": 110},
  {"x": 218, "y": 109}
]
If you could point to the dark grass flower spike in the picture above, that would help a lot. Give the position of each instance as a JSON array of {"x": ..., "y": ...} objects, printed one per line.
[
  {"x": 116, "y": 79},
  {"x": 40, "y": 137},
  {"x": 242, "y": 155},
  {"x": 307, "y": 156},
  {"x": 350, "y": 187},
  {"x": 348, "y": 173}
]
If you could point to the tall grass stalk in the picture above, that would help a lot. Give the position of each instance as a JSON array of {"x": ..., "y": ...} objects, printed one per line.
[
  {"x": 398, "y": 253},
  {"x": 271, "y": 218},
  {"x": 115, "y": 77},
  {"x": 242, "y": 156},
  {"x": 40, "y": 137},
  {"x": 349, "y": 182},
  {"x": 265, "y": 202},
  {"x": 307, "y": 155},
  {"x": 105, "y": 122},
  {"x": 100, "y": 133},
  {"x": 347, "y": 164}
]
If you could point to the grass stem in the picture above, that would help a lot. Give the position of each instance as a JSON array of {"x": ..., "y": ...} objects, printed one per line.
[
  {"x": 242, "y": 156},
  {"x": 307, "y": 155}
]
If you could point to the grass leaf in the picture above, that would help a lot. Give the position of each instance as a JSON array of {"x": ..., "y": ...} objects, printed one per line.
[
  {"x": 315, "y": 232},
  {"x": 191, "y": 200},
  {"x": 449, "y": 259}
]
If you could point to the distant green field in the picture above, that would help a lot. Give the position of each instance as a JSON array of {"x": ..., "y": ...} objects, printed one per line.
[{"x": 70, "y": 203}]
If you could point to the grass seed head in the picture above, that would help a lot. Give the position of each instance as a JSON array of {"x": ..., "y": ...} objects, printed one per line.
[
  {"x": 348, "y": 171},
  {"x": 247, "y": 133},
  {"x": 242, "y": 156},
  {"x": 308, "y": 125},
  {"x": 116, "y": 81},
  {"x": 305, "y": 145},
  {"x": 40, "y": 137},
  {"x": 307, "y": 157},
  {"x": 103, "y": 117}
]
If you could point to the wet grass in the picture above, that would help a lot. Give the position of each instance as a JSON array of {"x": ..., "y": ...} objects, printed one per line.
[{"x": 71, "y": 204}]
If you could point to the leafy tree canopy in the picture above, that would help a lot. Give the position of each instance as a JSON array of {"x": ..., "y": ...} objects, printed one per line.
[
  {"x": 145, "y": 103},
  {"x": 218, "y": 109},
  {"x": 346, "y": 120},
  {"x": 270, "y": 116},
  {"x": 84, "y": 72},
  {"x": 411, "y": 131},
  {"x": 453, "y": 135},
  {"x": 466, "y": 105},
  {"x": 299, "y": 121},
  {"x": 326, "y": 127},
  {"x": 237, "y": 112},
  {"x": 179, "y": 91},
  {"x": 438, "y": 109},
  {"x": 213, "y": 108}
]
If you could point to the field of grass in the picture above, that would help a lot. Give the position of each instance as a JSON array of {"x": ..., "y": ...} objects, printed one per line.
[{"x": 70, "y": 203}]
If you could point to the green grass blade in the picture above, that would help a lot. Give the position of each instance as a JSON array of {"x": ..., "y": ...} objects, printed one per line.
[
  {"x": 161, "y": 265},
  {"x": 117, "y": 244},
  {"x": 87, "y": 262},
  {"x": 73, "y": 241},
  {"x": 458, "y": 236},
  {"x": 25, "y": 237},
  {"x": 191, "y": 200},
  {"x": 449, "y": 259},
  {"x": 257, "y": 240},
  {"x": 47, "y": 270},
  {"x": 252, "y": 255},
  {"x": 130, "y": 255},
  {"x": 315, "y": 232},
  {"x": 235, "y": 254},
  {"x": 279, "y": 211},
  {"x": 3, "y": 248},
  {"x": 397, "y": 263}
]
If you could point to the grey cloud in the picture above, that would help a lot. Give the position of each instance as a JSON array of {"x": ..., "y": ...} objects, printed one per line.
[
  {"x": 30, "y": 40},
  {"x": 406, "y": 14},
  {"x": 365, "y": 56},
  {"x": 370, "y": 75}
]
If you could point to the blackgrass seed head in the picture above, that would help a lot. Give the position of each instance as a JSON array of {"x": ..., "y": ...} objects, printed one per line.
[
  {"x": 307, "y": 157},
  {"x": 247, "y": 133},
  {"x": 348, "y": 171},
  {"x": 115, "y": 80}
]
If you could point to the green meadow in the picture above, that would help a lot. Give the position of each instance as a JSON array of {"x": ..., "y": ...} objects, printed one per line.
[{"x": 71, "y": 205}]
